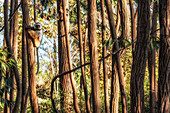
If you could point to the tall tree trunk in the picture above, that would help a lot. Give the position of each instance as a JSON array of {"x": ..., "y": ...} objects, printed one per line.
[
  {"x": 106, "y": 98},
  {"x": 15, "y": 68},
  {"x": 93, "y": 56},
  {"x": 12, "y": 2},
  {"x": 151, "y": 61},
  {"x": 31, "y": 60},
  {"x": 116, "y": 57},
  {"x": 66, "y": 28},
  {"x": 114, "y": 101},
  {"x": 24, "y": 63},
  {"x": 81, "y": 58},
  {"x": 164, "y": 58},
  {"x": 65, "y": 83},
  {"x": 140, "y": 56}
]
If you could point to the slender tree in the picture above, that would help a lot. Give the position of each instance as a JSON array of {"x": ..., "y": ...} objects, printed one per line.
[
  {"x": 140, "y": 56},
  {"x": 24, "y": 64},
  {"x": 82, "y": 58},
  {"x": 106, "y": 96},
  {"x": 93, "y": 56},
  {"x": 164, "y": 58},
  {"x": 116, "y": 58},
  {"x": 114, "y": 101},
  {"x": 15, "y": 68},
  {"x": 151, "y": 60}
]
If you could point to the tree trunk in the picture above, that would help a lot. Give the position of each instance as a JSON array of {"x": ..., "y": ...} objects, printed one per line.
[
  {"x": 31, "y": 60},
  {"x": 106, "y": 96},
  {"x": 65, "y": 83},
  {"x": 133, "y": 28},
  {"x": 151, "y": 61},
  {"x": 116, "y": 57},
  {"x": 164, "y": 58},
  {"x": 140, "y": 57},
  {"x": 93, "y": 56},
  {"x": 24, "y": 64},
  {"x": 81, "y": 58},
  {"x": 66, "y": 28},
  {"x": 114, "y": 101},
  {"x": 124, "y": 19},
  {"x": 12, "y": 2},
  {"x": 15, "y": 68}
]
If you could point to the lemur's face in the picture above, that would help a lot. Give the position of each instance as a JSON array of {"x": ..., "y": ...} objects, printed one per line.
[{"x": 38, "y": 25}]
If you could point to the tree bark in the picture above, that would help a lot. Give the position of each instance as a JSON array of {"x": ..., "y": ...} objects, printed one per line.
[
  {"x": 151, "y": 61},
  {"x": 124, "y": 19},
  {"x": 93, "y": 56},
  {"x": 140, "y": 57},
  {"x": 66, "y": 28},
  {"x": 106, "y": 96},
  {"x": 24, "y": 64},
  {"x": 15, "y": 68},
  {"x": 114, "y": 101},
  {"x": 31, "y": 60},
  {"x": 65, "y": 83},
  {"x": 116, "y": 57},
  {"x": 12, "y": 2},
  {"x": 164, "y": 58},
  {"x": 81, "y": 58}
]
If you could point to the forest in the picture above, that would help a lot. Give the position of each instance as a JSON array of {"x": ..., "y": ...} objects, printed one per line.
[{"x": 84, "y": 56}]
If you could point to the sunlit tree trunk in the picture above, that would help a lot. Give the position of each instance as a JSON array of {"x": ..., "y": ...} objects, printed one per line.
[
  {"x": 93, "y": 56},
  {"x": 116, "y": 58},
  {"x": 31, "y": 60},
  {"x": 114, "y": 101},
  {"x": 140, "y": 57},
  {"x": 65, "y": 82},
  {"x": 82, "y": 58},
  {"x": 106, "y": 96},
  {"x": 164, "y": 58},
  {"x": 124, "y": 19},
  {"x": 151, "y": 60}
]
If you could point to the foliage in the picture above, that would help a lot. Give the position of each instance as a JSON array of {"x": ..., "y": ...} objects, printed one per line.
[{"x": 5, "y": 82}]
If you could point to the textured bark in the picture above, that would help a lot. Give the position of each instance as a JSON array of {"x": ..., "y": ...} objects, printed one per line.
[
  {"x": 164, "y": 58},
  {"x": 133, "y": 28},
  {"x": 93, "y": 56},
  {"x": 106, "y": 96},
  {"x": 116, "y": 58},
  {"x": 66, "y": 26},
  {"x": 140, "y": 57},
  {"x": 31, "y": 60},
  {"x": 124, "y": 19},
  {"x": 114, "y": 101},
  {"x": 82, "y": 58},
  {"x": 12, "y": 3},
  {"x": 24, "y": 65},
  {"x": 151, "y": 62},
  {"x": 15, "y": 68},
  {"x": 118, "y": 19},
  {"x": 65, "y": 83}
]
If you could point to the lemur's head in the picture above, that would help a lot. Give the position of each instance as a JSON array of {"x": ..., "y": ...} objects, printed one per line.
[{"x": 37, "y": 26}]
